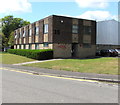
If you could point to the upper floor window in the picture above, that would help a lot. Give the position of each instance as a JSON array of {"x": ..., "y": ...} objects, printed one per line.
[
  {"x": 45, "y": 28},
  {"x": 24, "y": 34},
  {"x": 87, "y": 30},
  {"x": 15, "y": 36},
  {"x": 75, "y": 29},
  {"x": 37, "y": 30},
  {"x": 30, "y": 32},
  {"x": 57, "y": 32},
  {"x": 34, "y": 30},
  {"x": 20, "y": 33}
]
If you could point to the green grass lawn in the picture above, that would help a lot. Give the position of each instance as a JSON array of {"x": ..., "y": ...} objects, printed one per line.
[
  {"x": 99, "y": 65},
  {"x": 6, "y": 58},
  {"x": 107, "y": 65}
]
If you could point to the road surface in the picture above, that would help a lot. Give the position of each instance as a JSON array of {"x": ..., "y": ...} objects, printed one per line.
[{"x": 21, "y": 87}]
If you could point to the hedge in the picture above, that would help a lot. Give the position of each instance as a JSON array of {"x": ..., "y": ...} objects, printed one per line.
[{"x": 34, "y": 54}]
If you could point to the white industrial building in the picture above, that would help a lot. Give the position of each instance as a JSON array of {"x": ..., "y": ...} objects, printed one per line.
[{"x": 107, "y": 34}]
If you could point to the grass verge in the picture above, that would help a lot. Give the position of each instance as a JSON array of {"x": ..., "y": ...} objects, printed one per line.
[
  {"x": 106, "y": 65},
  {"x": 6, "y": 58}
]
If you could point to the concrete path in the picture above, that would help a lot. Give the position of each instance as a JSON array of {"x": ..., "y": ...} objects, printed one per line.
[{"x": 36, "y": 62}]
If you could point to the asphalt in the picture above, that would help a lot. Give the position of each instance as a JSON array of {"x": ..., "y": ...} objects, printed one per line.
[
  {"x": 68, "y": 74},
  {"x": 28, "y": 88}
]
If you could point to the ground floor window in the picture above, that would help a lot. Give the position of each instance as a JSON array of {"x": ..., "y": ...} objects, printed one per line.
[
  {"x": 86, "y": 45},
  {"x": 36, "y": 46},
  {"x": 19, "y": 46},
  {"x": 45, "y": 44},
  {"x": 30, "y": 46},
  {"x": 24, "y": 47}
]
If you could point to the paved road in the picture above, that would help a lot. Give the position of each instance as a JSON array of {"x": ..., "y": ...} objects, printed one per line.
[{"x": 20, "y": 87}]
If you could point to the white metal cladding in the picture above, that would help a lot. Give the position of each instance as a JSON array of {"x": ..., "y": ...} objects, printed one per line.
[{"x": 107, "y": 32}]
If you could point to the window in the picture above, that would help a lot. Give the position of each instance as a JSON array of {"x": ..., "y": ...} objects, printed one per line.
[
  {"x": 24, "y": 47},
  {"x": 36, "y": 46},
  {"x": 20, "y": 47},
  {"x": 18, "y": 36},
  {"x": 45, "y": 28},
  {"x": 29, "y": 46},
  {"x": 87, "y": 30},
  {"x": 45, "y": 45},
  {"x": 75, "y": 29},
  {"x": 34, "y": 30},
  {"x": 57, "y": 32},
  {"x": 20, "y": 33},
  {"x": 15, "y": 36},
  {"x": 30, "y": 32},
  {"x": 86, "y": 45},
  {"x": 24, "y": 33},
  {"x": 37, "y": 30}
]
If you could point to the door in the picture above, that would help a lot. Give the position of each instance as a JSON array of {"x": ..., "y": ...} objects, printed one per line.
[{"x": 74, "y": 50}]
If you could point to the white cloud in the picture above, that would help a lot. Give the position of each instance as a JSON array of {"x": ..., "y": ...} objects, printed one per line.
[
  {"x": 7, "y": 6},
  {"x": 97, "y": 15},
  {"x": 92, "y": 3}
]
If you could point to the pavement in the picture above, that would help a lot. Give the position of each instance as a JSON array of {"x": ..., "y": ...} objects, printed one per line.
[
  {"x": 67, "y": 74},
  {"x": 36, "y": 61}
]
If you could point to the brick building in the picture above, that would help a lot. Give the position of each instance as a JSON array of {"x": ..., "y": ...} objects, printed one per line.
[{"x": 69, "y": 37}]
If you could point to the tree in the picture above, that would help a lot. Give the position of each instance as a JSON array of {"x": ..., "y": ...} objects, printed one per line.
[
  {"x": 11, "y": 39},
  {"x": 9, "y": 24},
  {"x": 3, "y": 41}
]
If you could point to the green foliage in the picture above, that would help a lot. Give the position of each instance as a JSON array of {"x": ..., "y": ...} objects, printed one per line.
[
  {"x": 9, "y": 24},
  {"x": 11, "y": 39},
  {"x": 106, "y": 65},
  {"x": 34, "y": 54},
  {"x": 3, "y": 40},
  {"x": 13, "y": 59}
]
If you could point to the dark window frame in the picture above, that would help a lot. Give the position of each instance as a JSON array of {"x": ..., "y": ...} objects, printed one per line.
[
  {"x": 30, "y": 46},
  {"x": 30, "y": 32},
  {"x": 87, "y": 45},
  {"x": 24, "y": 46},
  {"x": 46, "y": 44},
  {"x": 75, "y": 28},
  {"x": 57, "y": 32},
  {"x": 45, "y": 28},
  {"x": 36, "y": 46},
  {"x": 37, "y": 30},
  {"x": 87, "y": 30}
]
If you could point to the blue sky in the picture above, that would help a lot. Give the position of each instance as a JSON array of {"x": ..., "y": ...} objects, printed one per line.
[{"x": 36, "y": 10}]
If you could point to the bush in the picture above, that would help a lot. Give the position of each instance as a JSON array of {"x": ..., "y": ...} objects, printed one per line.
[{"x": 34, "y": 54}]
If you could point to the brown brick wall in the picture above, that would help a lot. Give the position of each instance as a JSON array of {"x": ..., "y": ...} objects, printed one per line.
[
  {"x": 86, "y": 52},
  {"x": 50, "y": 29},
  {"x": 41, "y": 35},
  {"x": 82, "y": 52},
  {"x": 33, "y": 35},
  {"x": 80, "y": 31},
  {"x": 63, "y": 24},
  {"x": 93, "y": 37},
  {"x": 62, "y": 50}
]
